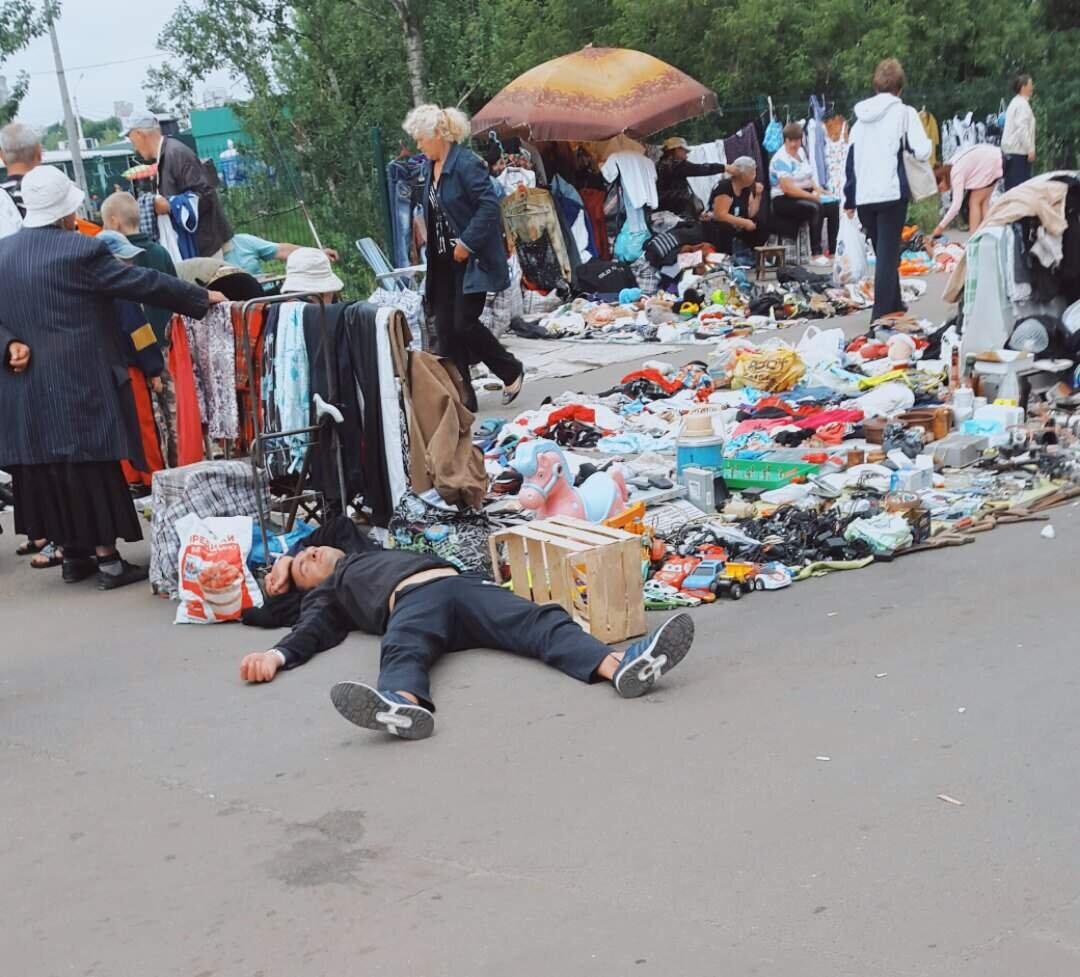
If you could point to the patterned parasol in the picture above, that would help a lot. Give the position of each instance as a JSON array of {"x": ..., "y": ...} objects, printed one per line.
[{"x": 594, "y": 94}]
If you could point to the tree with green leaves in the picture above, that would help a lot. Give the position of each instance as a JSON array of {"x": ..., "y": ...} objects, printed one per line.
[{"x": 20, "y": 22}]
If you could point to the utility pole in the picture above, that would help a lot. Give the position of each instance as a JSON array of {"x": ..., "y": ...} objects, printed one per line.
[{"x": 69, "y": 117}]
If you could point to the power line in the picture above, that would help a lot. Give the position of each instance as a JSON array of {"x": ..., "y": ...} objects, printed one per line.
[{"x": 105, "y": 64}]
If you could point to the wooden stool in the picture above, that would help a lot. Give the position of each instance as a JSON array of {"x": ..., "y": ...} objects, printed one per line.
[{"x": 770, "y": 258}]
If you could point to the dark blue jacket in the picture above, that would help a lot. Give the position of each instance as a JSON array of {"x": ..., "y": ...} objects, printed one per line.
[
  {"x": 57, "y": 295},
  {"x": 472, "y": 210}
]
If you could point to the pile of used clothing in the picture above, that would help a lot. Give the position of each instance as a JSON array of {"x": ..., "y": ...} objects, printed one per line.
[{"x": 770, "y": 462}]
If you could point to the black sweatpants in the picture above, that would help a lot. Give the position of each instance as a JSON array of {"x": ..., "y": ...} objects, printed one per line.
[
  {"x": 723, "y": 236},
  {"x": 467, "y": 611},
  {"x": 462, "y": 338},
  {"x": 884, "y": 223},
  {"x": 1017, "y": 170},
  {"x": 798, "y": 209}
]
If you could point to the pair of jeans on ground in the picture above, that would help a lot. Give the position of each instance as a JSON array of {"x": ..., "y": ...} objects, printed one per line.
[
  {"x": 460, "y": 335},
  {"x": 406, "y": 179},
  {"x": 798, "y": 210},
  {"x": 467, "y": 611}
]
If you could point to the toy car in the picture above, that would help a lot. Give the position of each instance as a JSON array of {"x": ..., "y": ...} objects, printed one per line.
[
  {"x": 735, "y": 580},
  {"x": 703, "y": 576}
]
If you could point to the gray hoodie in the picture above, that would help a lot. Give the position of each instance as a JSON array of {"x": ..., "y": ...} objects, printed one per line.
[{"x": 873, "y": 167}]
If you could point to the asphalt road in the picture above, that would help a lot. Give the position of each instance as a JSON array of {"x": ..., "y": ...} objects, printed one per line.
[{"x": 160, "y": 818}]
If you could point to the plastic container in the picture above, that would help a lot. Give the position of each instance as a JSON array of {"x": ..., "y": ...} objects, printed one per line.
[
  {"x": 740, "y": 473},
  {"x": 699, "y": 453},
  {"x": 1006, "y": 416}
]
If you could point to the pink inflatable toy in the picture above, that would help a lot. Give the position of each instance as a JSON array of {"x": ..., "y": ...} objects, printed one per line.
[{"x": 549, "y": 490}]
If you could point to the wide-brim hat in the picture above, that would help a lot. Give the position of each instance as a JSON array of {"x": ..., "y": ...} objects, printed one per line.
[
  {"x": 48, "y": 196},
  {"x": 308, "y": 270}
]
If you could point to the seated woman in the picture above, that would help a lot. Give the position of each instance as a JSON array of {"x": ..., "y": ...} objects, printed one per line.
[
  {"x": 796, "y": 195},
  {"x": 974, "y": 171},
  {"x": 735, "y": 209}
]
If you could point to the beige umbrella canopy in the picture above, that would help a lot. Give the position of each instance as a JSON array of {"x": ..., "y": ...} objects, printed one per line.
[{"x": 594, "y": 94}]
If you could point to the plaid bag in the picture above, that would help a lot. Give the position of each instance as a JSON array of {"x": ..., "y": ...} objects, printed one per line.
[{"x": 207, "y": 488}]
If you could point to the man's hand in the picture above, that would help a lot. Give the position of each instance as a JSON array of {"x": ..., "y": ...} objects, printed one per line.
[
  {"x": 749, "y": 224},
  {"x": 758, "y": 190},
  {"x": 1031, "y": 156},
  {"x": 18, "y": 356},
  {"x": 157, "y": 385},
  {"x": 215, "y": 298},
  {"x": 161, "y": 206},
  {"x": 260, "y": 666},
  {"x": 278, "y": 579},
  {"x": 461, "y": 253},
  {"x": 330, "y": 253}
]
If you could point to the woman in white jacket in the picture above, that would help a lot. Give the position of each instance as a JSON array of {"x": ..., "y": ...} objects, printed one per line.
[{"x": 876, "y": 182}]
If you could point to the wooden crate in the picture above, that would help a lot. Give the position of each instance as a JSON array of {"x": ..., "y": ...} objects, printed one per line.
[{"x": 593, "y": 571}]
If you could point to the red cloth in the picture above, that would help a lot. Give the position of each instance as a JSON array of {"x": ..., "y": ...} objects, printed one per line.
[
  {"x": 148, "y": 432},
  {"x": 594, "y": 209},
  {"x": 654, "y": 376},
  {"x": 820, "y": 419},
  {"x": 189, "y": 436}
]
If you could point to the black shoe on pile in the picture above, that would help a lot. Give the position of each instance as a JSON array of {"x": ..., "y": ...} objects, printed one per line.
[{"x": 118, "y": 572}]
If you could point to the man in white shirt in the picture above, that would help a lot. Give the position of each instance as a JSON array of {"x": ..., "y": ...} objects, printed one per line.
[{"x": 1018, "y": 139}]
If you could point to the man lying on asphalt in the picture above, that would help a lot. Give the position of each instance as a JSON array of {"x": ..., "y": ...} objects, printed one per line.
[{"x": 423, "y": 607}]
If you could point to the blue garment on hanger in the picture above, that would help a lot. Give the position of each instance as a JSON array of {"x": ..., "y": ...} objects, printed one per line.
[
  {"x": 184, "y": 212},
  {"x": 816, "y": 147},
  {"x": 292, "y": 380}
]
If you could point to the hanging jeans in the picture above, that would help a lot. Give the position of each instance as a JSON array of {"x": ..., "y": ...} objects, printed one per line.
[
  {"x": 466, "y": 611},
  {"x": 884, "y": 223},
  {"x": 406, "y": 179},
  {"x": 461, "y": 336},
  {"x": 1017, "y": 170},
  {"x": 799, "y": 210}
]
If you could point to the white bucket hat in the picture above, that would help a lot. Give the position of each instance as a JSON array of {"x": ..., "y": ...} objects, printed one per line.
[
  {"x": 48, "y": 195},
  {"x": 308, "y": 270}
]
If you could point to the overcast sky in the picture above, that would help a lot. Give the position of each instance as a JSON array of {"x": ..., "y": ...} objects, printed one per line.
[{"x": 92, "y": 32}]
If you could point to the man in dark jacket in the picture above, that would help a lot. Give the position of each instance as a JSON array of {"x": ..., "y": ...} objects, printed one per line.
[
  {"x": 424, "y": 607},
  {"x": 179, "y": 171},
  {"x": 672, "y": 186},
  {"x": 66, "y": 412}
]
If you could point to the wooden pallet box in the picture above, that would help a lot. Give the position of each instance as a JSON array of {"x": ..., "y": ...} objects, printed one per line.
[{"x": 593, "y": 571}]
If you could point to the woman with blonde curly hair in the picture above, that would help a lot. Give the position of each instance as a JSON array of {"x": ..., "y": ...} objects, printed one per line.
[{"x": 466, "y": 255}]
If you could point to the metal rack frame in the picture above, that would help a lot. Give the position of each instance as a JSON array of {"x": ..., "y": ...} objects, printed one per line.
[{"x": 327, "y": 415}]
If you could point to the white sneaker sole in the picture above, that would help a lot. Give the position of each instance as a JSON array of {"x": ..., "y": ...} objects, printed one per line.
[
  {"x": 364, "y": 706},
  {"x": 668, "y": 647}
]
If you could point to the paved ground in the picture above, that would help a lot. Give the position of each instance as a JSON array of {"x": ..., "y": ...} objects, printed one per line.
[{"x": 159, "y": 818}]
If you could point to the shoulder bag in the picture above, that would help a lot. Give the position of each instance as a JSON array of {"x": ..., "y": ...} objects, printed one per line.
[{"x": 920, "y": 174}]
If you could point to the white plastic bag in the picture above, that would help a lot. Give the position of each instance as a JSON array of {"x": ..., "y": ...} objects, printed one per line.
[
  {"x": 885, "y": 533},
  {"x": 850, "y": 264},
  {"x": 820, "y": 347},
  {"x": 215, "y": 583}
]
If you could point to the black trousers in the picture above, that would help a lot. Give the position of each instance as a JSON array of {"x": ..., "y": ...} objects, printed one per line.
[
  {"x": 1017, "y": 170},
  {"x": 884, "y": 223},
  {"x": 467, "y": 611},
  {"x": 723, "y": 236},
  {"x": 462, "y": 338},
  {"x": 798, "y": 210}
]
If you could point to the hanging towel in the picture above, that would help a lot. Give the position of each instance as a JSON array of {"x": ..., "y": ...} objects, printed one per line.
[{"x": 292, "y": 379}]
